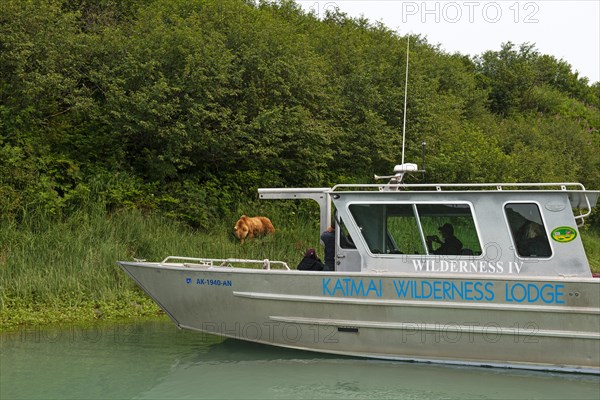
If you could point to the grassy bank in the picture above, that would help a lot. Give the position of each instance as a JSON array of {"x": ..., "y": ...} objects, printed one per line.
[
  {"x": 65, "y": 271},
  {"x": 62, "y": 272}
]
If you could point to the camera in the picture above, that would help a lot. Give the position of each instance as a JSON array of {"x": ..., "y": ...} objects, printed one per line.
[{"x": 432, "y": 238}]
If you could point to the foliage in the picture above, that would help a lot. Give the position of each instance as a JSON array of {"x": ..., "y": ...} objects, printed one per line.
[{"x": 187, "y": 106}]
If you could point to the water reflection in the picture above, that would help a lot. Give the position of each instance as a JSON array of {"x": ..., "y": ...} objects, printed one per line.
[{"x": 154, "y": 360}]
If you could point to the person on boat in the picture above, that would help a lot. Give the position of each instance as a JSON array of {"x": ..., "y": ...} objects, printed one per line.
[
  {"x": 328, "y": 239},
  {"x": 450, "y": 244},
  {"x": 532, "y": 241},
  {"x": 310, "y": 261}
]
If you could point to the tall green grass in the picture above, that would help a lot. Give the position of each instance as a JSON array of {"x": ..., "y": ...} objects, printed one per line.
[
  {"x": 591, "y": 242},
  {"x": 65, "y": 271},
  {"x": 61, "y": 271}
]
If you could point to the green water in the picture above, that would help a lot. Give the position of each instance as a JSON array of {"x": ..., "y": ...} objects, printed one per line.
[{"x": 154, "y": 360}]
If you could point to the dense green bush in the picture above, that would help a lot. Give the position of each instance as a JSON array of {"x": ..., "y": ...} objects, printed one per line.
[{"x": 188, "y": 106}]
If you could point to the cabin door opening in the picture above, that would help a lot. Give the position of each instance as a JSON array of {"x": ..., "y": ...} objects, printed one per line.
[{"x": 347, "y": 258}]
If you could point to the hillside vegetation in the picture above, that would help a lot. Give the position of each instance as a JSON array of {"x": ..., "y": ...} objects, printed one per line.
[{"x": 176, "y": 111}]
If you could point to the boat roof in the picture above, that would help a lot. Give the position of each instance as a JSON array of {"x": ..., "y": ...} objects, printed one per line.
[{"x": 579, "y": 196}]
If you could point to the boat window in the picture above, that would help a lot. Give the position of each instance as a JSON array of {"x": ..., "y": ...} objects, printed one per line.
[
  {"x": 527, "y": 230},
  {"x": 449, "y": 229},
  {"x": 389, "y": 228}
]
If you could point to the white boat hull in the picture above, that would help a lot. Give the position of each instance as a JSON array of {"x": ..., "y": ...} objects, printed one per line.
[{"x": 551, "y": 324}]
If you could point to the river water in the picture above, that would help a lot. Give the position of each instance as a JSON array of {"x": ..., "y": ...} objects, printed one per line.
[{"x": 155, "y": 360}]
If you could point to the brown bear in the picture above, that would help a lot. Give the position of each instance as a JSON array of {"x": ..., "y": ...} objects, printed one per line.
[{"x": 252, "y": 226}]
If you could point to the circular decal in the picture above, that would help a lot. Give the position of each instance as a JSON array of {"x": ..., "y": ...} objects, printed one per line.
[{"x": 563, "y": 234}]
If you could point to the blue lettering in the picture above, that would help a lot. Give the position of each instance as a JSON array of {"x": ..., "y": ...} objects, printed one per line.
[
  {"x": 488, "y": 288},
  {"x": 326, "y": 290},
  {"x": 357, "y": 290},
  {"x": 468, "y": 290},
  {"x": 349, "y": 287},
  {"x": 424, "y": 285},
  {"x": 477, "y": 288},
  {"x": 559, "y": 293},
  {"x": 507, "y": 293},
  {"x": 447, "y": 286},
  {"x": 530, "y": 290},
  {"x": 512, "y": 292},
  {"x": 338, "y": 286},
  {"x": 532, "y": 293},
  {"x": 436, "y": 290},
  {"x": 401, "y": 288},
  {"x": 373, "y": 287},
  {"x": 347, "y": 282},
  {"x": 447, "y": 290},
  {"x": 413, "y": 290},
  {"x": 547, "y": 296},
  {"x": 455, "y": 289}
]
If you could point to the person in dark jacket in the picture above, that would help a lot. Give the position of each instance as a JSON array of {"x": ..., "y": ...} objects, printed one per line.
[
  {"x": 328, "y": 239},
  {"x": 310, "y": 261},
  {"x": 450, "y": 244}
]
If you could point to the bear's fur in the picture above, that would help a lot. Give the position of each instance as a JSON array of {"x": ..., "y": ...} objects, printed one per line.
[{"x": 248, "y": 227}]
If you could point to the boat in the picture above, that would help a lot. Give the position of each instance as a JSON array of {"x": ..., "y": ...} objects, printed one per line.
[{"x": 469, "y": 274}]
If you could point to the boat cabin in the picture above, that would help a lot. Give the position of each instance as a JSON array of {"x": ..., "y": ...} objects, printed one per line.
[{"x": 454, "y": 229}]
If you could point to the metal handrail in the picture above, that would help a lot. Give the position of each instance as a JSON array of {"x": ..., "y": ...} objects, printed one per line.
[
  {"x": 226, "y": 262},
  {"x": 440, "y": 186},
  {"x": 582, "y": 216},
  {"x": 495, "y": 187}
]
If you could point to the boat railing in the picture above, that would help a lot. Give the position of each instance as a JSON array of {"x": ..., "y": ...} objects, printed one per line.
[
  {"x": 578, "y": 195},
  {"x": 457, "y": 186},
  {"x": 223, "y": 262}
]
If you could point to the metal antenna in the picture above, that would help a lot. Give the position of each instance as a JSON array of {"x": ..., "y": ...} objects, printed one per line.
[{"x": 405, "y": 97}]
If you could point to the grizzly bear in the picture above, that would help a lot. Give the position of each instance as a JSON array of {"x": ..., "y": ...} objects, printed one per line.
[{"x": 252, "y": 226}]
